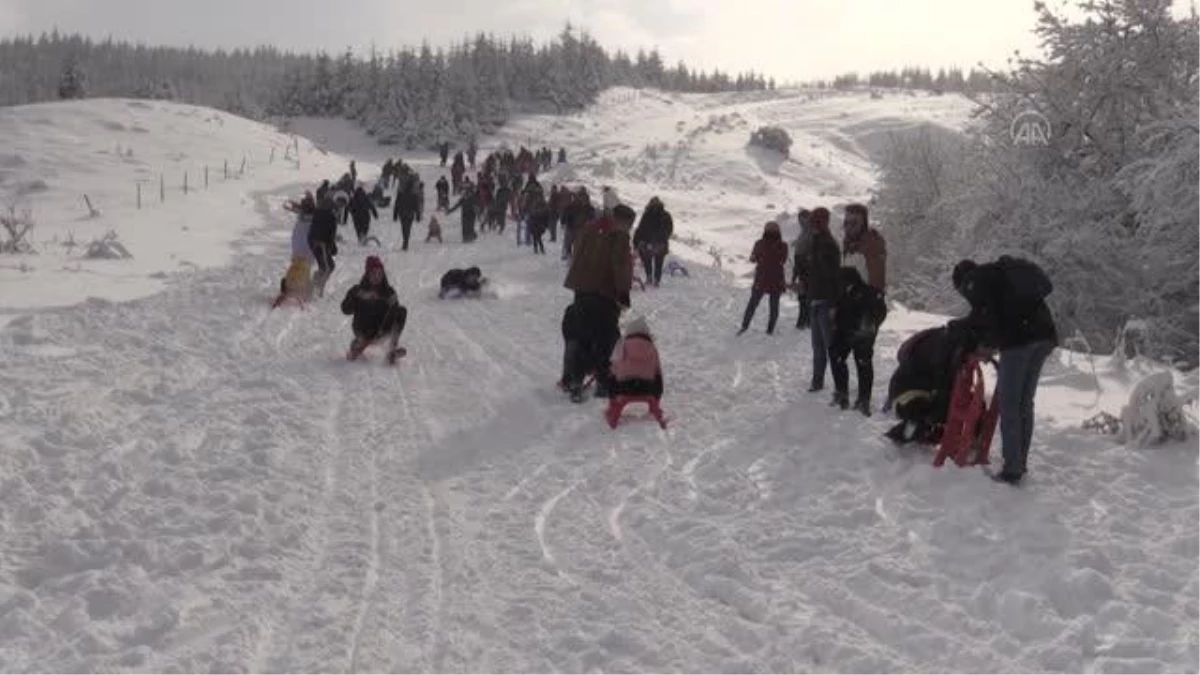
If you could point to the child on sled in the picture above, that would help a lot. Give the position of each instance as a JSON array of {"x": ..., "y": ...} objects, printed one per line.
[
  {"x": 636, "y": 372},
  {"x": 377, "y": 312}
]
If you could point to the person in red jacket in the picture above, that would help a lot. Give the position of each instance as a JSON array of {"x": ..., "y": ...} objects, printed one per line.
[{"x": 769, "y": 256}]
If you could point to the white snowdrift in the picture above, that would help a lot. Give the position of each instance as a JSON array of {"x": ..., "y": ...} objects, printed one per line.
[{"x": 189, "y": 482}]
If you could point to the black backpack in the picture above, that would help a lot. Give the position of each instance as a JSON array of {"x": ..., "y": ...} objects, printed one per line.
[{"x": 1025, "y": 281}]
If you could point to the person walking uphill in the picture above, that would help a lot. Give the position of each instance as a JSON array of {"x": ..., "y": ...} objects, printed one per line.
[
  {"x": 601, "y": 276},
  {"x": 652, "y": 238},
  {"x": 408, "y": 203},
  {"x": 377, "y": 312},
  {"x": 322, "y": 241},
  {"x": 769, "y": 256},
  {"x": 1009, "y": 314},
  {"x": 362, "y": 210},
  {"x": 823, "y": 291}
]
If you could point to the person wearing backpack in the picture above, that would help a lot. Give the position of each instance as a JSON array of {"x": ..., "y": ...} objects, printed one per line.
[{"x": 1009, "y": 315}]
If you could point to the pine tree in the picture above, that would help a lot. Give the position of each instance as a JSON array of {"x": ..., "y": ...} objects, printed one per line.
[{"x": 71, "y": 82}]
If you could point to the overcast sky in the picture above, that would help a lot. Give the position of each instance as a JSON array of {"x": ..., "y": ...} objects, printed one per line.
[{"x": 787, "y": 39}]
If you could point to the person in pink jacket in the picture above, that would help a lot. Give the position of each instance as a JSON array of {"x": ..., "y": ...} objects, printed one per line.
[{"x": 636, "y": 369}]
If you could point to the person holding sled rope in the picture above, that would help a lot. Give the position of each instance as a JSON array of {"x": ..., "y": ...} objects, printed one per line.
[{"x": 377, "y": 312}]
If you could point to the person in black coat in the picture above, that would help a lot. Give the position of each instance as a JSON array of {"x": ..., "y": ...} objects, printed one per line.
[
  {"x": 322, "y": 241},
  {"x": 408, "y": 203},
  {"x": 920, "y": 388},
  {"x": 443, "y": 193},
  {"x": 857, "y": 317},
  {"x": 824, "y": 263},
  {"x": 1009, "y": 314},
  {"x": 538, "y": 221},
  {"x": 652, "y": 238},
  {"x": 362, "y": 210},
  {"x": 376, "y": 309},
  {"x": 468, "y": 282},
  {"x": 469, "y": 203}
]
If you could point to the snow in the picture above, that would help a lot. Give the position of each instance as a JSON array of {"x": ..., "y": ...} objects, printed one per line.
[
  {"x": 189, "y": 482},
  {"x": 58, "y": 152}
]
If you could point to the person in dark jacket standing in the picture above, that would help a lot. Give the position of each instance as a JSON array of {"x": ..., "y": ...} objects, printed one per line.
[
  {"x": 769, "y": 257},
  {"x": 469, "y": 203},
  {"x": 408, "y": 203},
  {"x": 362, "y": 210},
  {"x": 444, "y": 151},
  {"x": 800, "y": 257},
  {"x": 322, "y": 241},
  {"x": 578, "y": 212},
  {"x": 1009, "y": 314},
  {"x": 443, "y": 193},
  {"x": 538, "y": 220},
  {"x": 377, "y": 312},
  {"x": 652, "y": 238},
  {"x": 601, "y": 276},
  {"x": 824, "y": 261},
  {"x": 859, "y": 312}
]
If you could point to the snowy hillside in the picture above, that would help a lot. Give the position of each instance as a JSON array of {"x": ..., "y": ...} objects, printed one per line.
[
  {"x": 190, "y": 482},
  {"x": 56, "y": 153}
]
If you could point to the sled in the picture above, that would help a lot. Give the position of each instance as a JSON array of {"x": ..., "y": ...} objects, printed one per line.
[
  {"x": 971, "y": 421},
  {"x": 289, "y": 299},
  {"x": 617, "y": 404}
]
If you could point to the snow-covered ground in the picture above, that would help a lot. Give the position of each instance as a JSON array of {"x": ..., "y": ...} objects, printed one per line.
[{"x": 189, "y": 482}]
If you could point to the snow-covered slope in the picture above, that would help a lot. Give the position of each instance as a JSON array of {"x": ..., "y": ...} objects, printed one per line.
[
  {"x": 55, "y": 153},
  {"x": 189, "y": 482}
]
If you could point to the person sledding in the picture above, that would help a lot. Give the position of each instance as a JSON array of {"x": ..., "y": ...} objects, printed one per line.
[
  {"x": 296, "y": 284},
  {"x": 466, "y": 283},
  {"x": 377, "y": 312},
  {"x": 636, "y": 373}
]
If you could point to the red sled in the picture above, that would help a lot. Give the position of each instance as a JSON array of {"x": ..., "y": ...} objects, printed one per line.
[
  {"x": 616, "y": 405},
  {"x": 972, "y": 418}
]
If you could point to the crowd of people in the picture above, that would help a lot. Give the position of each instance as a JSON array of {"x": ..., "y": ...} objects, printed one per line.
[
  {"x": 840, "y": 287},
  {"x": 842, "y": 302}
]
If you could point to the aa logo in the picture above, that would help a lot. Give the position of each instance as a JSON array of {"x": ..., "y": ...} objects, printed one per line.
[{"x": 1030, "y": 128}]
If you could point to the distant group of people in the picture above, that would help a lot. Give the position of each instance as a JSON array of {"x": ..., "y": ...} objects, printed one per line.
[{"x": 842, "y": 300}]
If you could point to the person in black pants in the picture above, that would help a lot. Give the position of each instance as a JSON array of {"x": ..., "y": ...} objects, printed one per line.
[
  {"x": 856, "y": 320},
  {"x": 652, "y": 238},
  {"x": 322, "y": 241},
  {"x": 443, "y": 193},
  {"x": 361, "y": 210},
  {"x": 377, "y": 312},
  {"x": 408, "y": 203},
  {"x": 769, "y": 257}
]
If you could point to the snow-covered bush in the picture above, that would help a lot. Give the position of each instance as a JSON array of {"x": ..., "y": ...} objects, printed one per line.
[
  {"x": 1108, "y": 204},
  {"x": 1155, "y": 414},
  {"x": 108, "y": 247},
  {"x": 773, "y": 138},
  {"x": 17, "y": 226}
]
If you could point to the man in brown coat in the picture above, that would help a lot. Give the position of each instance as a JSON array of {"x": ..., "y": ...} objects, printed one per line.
[
  {"x": 864, "y": 249},
  {"x": 601, "y": 275}
]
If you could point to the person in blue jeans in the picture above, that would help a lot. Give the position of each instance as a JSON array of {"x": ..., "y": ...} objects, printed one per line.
[
  {"x": 1009, "y": 315},
  {"x": 823, "y": 288}
]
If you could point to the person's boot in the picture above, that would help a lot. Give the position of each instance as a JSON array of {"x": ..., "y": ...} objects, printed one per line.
[
  {"x": 863, "y": 405},
  {"x": 357, "y": 347},
  {"x": 840, "y": 400}
]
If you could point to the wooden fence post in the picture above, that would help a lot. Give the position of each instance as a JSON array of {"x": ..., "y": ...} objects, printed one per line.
[
  {"x": 272, "y": 160},
  {"x": 185, "y": 185},
  {"x": 226, "y": 169},
  {"x": 139, "y": 195},
  {"x": 205, "y": 176},
  {"x": 162, "y": 188}
]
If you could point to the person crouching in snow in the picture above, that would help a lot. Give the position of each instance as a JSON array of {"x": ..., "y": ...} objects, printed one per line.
[
  {"x": 462, "y": 283},
  {"x": 636, "y": 370},
  {"x": 435, "y": 230},
  {"x": 377, "y": 311}
]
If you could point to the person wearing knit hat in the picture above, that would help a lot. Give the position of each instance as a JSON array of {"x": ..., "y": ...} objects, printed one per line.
[
  {"x": 636, "y": 369},
  {"x": 377, "y": 312}
]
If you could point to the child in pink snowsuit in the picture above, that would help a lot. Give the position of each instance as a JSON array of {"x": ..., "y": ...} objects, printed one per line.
[{"x": 635, "y": 366}]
